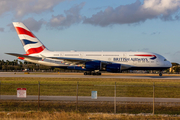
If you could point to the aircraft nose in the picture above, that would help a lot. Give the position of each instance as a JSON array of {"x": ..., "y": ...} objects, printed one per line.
[{"x": 169, "y": 64}]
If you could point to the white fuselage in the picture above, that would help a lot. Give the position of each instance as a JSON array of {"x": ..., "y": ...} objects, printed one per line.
[{"x": 127, "y": 59}]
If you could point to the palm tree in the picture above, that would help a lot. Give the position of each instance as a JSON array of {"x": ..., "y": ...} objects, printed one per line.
[{"x": 16, "y": 62}]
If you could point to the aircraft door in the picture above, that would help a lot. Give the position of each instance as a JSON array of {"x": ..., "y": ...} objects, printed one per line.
[
  {"x": 61, "y": 54},
  {"x": 124, "y": 55},
  {"x": 82, "y": 55}
]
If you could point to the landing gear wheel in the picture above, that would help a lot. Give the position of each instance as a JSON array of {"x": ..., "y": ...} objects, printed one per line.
[
  {"x": 98, "y": 73},
  {"x": 89, "y": 73},
  {"x": 92, "y": 73}
]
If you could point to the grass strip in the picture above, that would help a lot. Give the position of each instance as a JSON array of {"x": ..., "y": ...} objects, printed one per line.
[{"x": 67, "y": 87}]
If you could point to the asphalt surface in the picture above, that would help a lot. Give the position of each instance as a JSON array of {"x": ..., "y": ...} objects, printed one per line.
[
  {"x": 155, "y": 76},
  {"x": 88, "y": 98}
]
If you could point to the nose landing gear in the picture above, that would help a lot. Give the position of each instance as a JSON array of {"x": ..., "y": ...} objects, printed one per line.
[{"x": 160, "y": 73}]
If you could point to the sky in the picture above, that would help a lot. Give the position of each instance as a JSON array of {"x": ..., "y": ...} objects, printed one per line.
[{"x": 94, "y": 25}]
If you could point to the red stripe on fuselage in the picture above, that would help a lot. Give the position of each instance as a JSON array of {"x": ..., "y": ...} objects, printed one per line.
[
  {"x": 23, "y": 31},
  {"x": 146, "y": 55},
  {"x": 35, "y": 50}
]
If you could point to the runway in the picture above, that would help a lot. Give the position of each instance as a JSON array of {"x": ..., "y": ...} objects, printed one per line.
[
  {"x": 80, "y": 75},
  {"x": 88, "y": 98}
]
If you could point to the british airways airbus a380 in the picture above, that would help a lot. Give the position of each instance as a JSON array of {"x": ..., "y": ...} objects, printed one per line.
[{"x": 90, "y": 62}]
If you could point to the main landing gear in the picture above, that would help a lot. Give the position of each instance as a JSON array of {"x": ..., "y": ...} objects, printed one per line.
[{"x": 92, "y": 73}]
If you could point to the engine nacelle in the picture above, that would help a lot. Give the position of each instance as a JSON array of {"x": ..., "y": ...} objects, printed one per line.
[
  {"x": 93, "y": 65},
  {"x": 115, "y": 68}
]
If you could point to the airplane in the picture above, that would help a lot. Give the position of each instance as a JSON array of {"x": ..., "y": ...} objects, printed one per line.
[{"x": 92, "y": 63}]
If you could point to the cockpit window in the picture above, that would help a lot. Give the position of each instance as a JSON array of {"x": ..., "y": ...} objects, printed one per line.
[{"x": 165, "y": 59}]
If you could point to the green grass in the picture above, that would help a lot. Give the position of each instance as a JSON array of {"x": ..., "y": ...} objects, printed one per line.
[{"x": 67, "y": 87}]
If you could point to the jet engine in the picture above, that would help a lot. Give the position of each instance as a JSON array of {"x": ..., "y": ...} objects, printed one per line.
[{"x": 93, "y": 65}]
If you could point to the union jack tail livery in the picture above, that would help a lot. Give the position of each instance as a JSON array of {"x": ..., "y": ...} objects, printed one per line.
[{"x": 30, "y": 42}]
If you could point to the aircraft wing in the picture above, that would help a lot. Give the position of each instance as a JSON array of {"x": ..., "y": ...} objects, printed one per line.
[
  {"x": 80, "y": 61},
  {"x": 76, "y": 61},
  {"x": 24, "y": 56},
  {"x": 72, "y": 60}
]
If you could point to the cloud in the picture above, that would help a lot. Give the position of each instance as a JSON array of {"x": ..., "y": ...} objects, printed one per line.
[
  {"x": 31, "y": 23},
  {"x": 136, "y": 12},
  {"x": 1, "y": 29},
  {"x": 72, "y": 16},
  {"x": 98, "y": 8},
  {"x": 25, "y": 7}
]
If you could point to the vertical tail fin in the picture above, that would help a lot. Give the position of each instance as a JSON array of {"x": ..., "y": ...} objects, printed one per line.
[{"x": 30, "y": 42}]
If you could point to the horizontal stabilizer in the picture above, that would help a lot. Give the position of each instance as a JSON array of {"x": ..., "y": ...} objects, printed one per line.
[{"x": 24, "y": 56}]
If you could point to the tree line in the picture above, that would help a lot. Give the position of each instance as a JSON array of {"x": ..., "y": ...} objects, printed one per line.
[
  {"x": 7, "y": 65},
  {"x": 18, "y": 65}
]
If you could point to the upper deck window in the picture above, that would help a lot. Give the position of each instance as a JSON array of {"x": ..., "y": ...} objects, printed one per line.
[
  {"x": 109, "y": 55},
  {"x": 93, "y": 55},
  {"x": 71, "y": 54}
]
